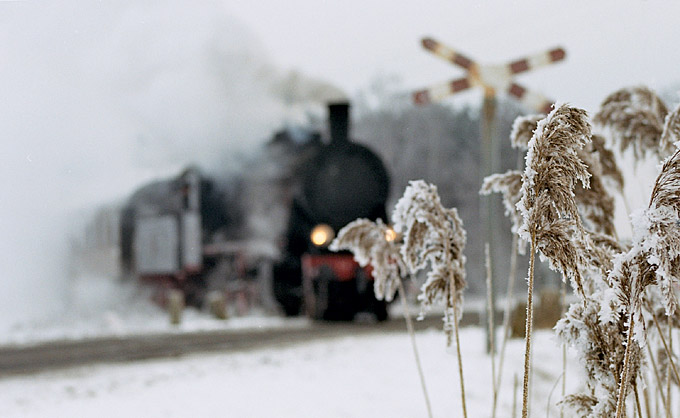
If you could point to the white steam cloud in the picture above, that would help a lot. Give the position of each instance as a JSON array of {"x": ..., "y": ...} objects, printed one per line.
[{"x": 100, "y": 96}]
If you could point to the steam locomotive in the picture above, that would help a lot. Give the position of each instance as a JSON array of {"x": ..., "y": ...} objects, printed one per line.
[
  {"x": 344, "y": 181},
  {"x": 195, "y": 233}
]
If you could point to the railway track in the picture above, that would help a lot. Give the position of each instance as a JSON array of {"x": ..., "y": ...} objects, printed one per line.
[{"x": 64, "y": 354}]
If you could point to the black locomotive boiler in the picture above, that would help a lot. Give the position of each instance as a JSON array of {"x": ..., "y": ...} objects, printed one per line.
[{"x": 342, "y": 182}]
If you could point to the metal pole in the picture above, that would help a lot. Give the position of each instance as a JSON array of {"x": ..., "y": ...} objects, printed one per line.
[{"x": 489, "y": 157}]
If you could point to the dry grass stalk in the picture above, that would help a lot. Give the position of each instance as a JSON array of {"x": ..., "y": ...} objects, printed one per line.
[
  {"x": 671, "y": 129},
  {"x": 657, "y": 376},
  {"x": 508, "y": 309},
  {"x": 369, "y": 244},
  {"x": 551, "y": 222},
  {"x": 666, "y": 356},
  {"x": 523, "y": 129},
  {"x": 434, "y": 235},
  {"x": 594, "y": 202},
  {"x": 601, "y": 349},
  {"x": 489, "y": 313},
  {"x": 609, "y": 168},
  {"x": 367, "y": 241},
  {"x": 654, "y": 259},
  {"x": 635, "y": 118},
  {"x": 509, "y": 185}
]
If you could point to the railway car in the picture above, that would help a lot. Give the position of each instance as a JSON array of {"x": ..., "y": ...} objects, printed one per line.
[
  {"x": 343, "y": 181},
  {"x": 187, "y": 233}
]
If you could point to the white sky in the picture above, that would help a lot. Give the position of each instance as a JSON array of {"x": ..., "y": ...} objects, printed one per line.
[{"x": 610, "y": 44}]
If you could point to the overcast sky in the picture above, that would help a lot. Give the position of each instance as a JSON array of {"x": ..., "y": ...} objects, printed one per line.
[{"x": 610, "y": 44}]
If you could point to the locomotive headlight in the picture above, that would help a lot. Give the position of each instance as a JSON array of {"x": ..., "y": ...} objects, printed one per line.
[
  {"x": 322, "y": 235},
  {"x": 390, "y": 234}
]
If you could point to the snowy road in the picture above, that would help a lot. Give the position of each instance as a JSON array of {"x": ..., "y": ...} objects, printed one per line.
[
  {"x": 353, "y": 376},
  {"x": 59, "y": 354}
]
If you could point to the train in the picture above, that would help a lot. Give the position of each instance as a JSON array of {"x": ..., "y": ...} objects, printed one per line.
[
  {"x": 343, "y": 181},
  {"x": 261, "y": 239}
]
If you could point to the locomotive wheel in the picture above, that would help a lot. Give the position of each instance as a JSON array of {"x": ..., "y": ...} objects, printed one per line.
[
  {"x": 380, "y": 310},
  {"x": 333, "y": 300},
  {"x": 321, "y": 297},
  {"x": 287, "y": 287},
  {"x": 290, "y": 302}
]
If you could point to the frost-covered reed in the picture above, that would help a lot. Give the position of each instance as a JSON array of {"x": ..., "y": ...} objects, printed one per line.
[
  {"x": 432, "y": 236},
  {"x": 562, "y": 206}
]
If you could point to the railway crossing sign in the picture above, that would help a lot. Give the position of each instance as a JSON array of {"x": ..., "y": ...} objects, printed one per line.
[{"x": 492, "y": 78}]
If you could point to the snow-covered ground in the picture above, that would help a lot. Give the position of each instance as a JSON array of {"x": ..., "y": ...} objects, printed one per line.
[
  {"x": 345, "y": 377},
  {"x": 368, "y": 376}
]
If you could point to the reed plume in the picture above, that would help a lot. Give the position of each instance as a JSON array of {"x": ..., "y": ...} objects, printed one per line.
[
  {"x": 369, "y": 243},
  {"x": 434, "y": 235},
  {"x": 600, "y": 346},
  {"x": 509, "y": 185},
  {"x": 609, "y": 168},
  {"x": 523, "y": 129},
  {"x": 671, "y": 129},
  {"x": 653, "y": 260},
  {"x": 551, "y": 222},
  {"x": 635, "y": 118},
  {"x": 595, "y": 204},
  {"x": 373, "y": 243},
  {"x": 659, "y": 234}
]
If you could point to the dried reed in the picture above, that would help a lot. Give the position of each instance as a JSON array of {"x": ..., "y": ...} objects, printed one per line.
[
  {"x": 671, "y": 129},
  {"x": 509, "y": 185},
  {"x": 489, "y": 313},
  {"x": 369, "y": 243},
  {"x": 595, "y": 204},
  {"x": 523, "y": 129},
  {"x": 601, "y": 350},
  {"x": 635, "y": 118},
  {"x": 434, "y": 235},
  {"x": 609, "y": 168},
  {"x": 551, "y": 222},
  {"x": 653, "y": 260}
]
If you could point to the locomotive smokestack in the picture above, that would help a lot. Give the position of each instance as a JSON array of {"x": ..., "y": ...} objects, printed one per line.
[{"x": 338, "y": 116}]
